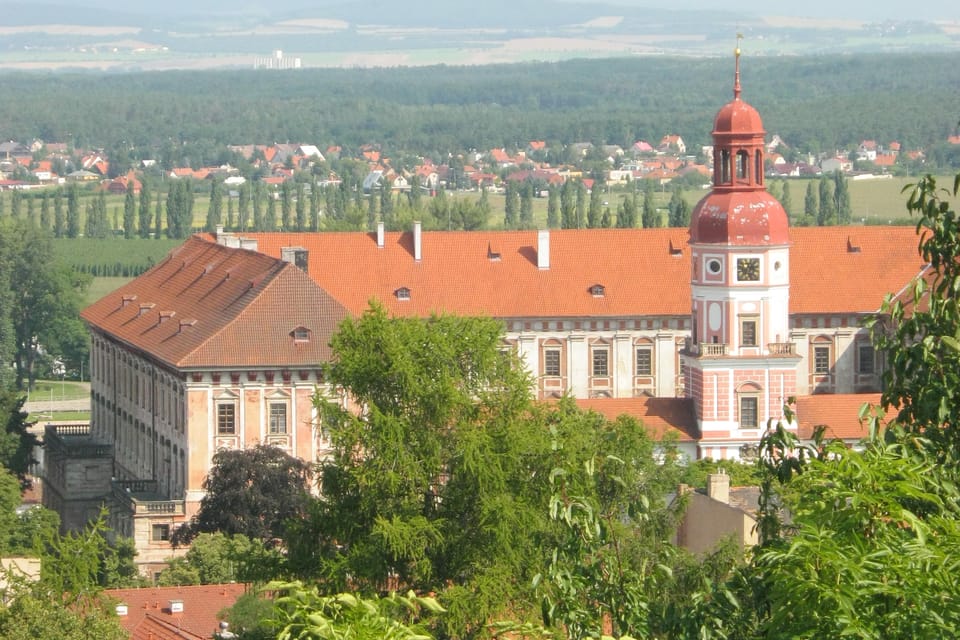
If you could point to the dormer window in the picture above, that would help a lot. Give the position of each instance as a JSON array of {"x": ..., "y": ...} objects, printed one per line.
[
  {"x": 403, "y": 293},
  {"x": 301, "y": 334},
  {"x": 597, "y": 291}
]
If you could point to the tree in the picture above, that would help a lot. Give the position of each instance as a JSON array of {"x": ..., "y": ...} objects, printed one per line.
[
  {"x": 216, "y": 558},
  {"x": 270, "y": 220},
  {"x": 258, "y": 195},
  {"x": 17, "y": 442},
  {"x": 59, "y": 220},
  {"x": 286, "y": 205},
  {"x": 595, "y": 211},
  {"x": 97, "y": 225},
  {"x": 73, "y": 211},
  {"x": 919, "y": 343},
  {"x": 144, "y": 212},
  {"x": 215, "y": 209},
  {"x": 158, "y": 218},
  {"x": 785, "y": 198},
  {"x": 841, "y": 198},
  {"x": 679, "y": 211},
  {"x": 526, "y": 205},
  {"x": 827, "y": 213},
  {"x": 252, "y": 492},
  {"x": 302, "y": 612},
  {"x": 45, "y": 303},
  {"x": 301, "y": 208},
  {"x": 568, "y": 205},
  {"x": 129, "y": 213},
  {"x": 511, "y": 204},
  {"x": 627, "y": 212},
  {"x": 45, "y": 221},
  {"x": 581, "y": 205},
  {"x": 649, "y": 215},
  {"x": 553, "y": 208},
  {"x": 243, "y": 208},
  {"x": 810, "y": 206}
]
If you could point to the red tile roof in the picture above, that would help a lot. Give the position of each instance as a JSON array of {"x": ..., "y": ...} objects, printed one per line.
[
  {"x": 839, "y": 412},
  {"x": 209, "y": 305},
  {"x": 661, "y": 416},
  {"x": 149, "y": 616},
  {"x": 644, "y": 271}
]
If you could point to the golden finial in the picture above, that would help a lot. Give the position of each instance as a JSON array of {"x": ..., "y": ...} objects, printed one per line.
[{"x": 736, "y": 76}]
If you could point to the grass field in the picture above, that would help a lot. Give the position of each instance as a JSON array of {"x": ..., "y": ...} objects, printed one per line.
[
  {"x": 101, "y": 286},
  {"x": 61, "y": 416},
  {"x": 59, "y": 390}
]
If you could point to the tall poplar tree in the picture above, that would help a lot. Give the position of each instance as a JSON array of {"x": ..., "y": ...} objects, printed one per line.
[
  {"x": 73, "y": 211},
  {"x": 144, "y": 213},
  {"x": 553, "y": 208},
  {"x": 129, "y": 212},
  {"x": 243, "y": 207}
]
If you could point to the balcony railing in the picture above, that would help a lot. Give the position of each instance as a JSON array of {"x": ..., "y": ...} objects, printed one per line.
[
  {"x": 713, "y": 349},
  {"x": 781, "y": 349}
]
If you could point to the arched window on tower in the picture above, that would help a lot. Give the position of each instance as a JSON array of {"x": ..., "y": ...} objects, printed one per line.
[
  {"x": 725, "y": 167},
  {"x": 758, "y": 169},
  {"x": 743, "y": 166}
]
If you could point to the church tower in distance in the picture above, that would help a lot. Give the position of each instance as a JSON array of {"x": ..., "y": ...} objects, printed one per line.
[{"x": 740, "y": 366}]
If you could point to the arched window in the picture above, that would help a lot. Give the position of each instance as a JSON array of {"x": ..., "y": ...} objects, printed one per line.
[
  {"x": 743, "y": 165},
  {"x": 758, "y": 168},
  {"x": 725, "y": 166}
]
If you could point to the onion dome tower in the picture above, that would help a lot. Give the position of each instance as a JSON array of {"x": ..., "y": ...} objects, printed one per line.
[{"x": 740, "y": 365}]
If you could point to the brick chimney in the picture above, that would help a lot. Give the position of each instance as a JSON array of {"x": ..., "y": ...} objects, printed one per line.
[{"x": 718, "y": 486}]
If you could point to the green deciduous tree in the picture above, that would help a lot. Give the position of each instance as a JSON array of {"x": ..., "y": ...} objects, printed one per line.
[
  {"x": 553, "y": 208},
  {"x": 920, "y": 342},
  {"x": 144, "y": 217},
  {"x": 826, "y": 212},
  {"x": 810, "y": 207},
  {"x": 649, "y": 215},
  {"x": 215, "y": 209}
]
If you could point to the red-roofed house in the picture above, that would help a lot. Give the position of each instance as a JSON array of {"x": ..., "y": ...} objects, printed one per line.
[{"x": 174, "y": 613}]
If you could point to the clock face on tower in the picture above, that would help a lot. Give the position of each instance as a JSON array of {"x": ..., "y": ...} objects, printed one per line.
[{"x": 748, "y": 269}]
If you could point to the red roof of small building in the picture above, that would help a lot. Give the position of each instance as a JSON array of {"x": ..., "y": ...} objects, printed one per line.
[
  {"x": 838, "y": 412},
  {"x": 149, "y": 615},
  {"x": 662, "y": 417}
]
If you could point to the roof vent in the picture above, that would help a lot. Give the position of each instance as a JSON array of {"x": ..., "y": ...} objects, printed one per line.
[
  {"x": 381, "y": 239},
  {"x": 176, "y": 606},
  {"x": 145, "y": 307},
  {"x": 186, "y": 323},
  {"x": 127, "y": 300},
  {"x": 165, "y": 315},
  {"x": 676, "y": 252},
  {"x": 852, "y": 248},
  {"x": 493, "y": 256}
]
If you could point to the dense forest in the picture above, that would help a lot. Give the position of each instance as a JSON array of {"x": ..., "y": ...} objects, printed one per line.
[{"x": 814, "y": 103}]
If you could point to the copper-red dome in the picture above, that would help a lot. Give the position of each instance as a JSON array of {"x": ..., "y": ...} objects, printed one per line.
[
  {"x": 738, "y": 118},
  {"x": 746, "y": 218}
]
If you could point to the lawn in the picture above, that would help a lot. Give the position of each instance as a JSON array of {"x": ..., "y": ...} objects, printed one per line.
[{"x": 59, "y": 390}]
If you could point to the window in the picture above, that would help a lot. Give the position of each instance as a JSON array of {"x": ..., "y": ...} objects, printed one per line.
[
  {"x": 748, "y": 412},
  {"x": 301, "y": 334},
  {"x": 226, "y": 418},
  {"x": 278, "y": 418},
  {"x": 160, "y": 533},
  {"x": 644, "y": 361},
  {"x": 403, "y": 293},
  {"x": 742, "y": 165},
  {"x": 866, "y": 362},
  {"x": 821, "y": 360},
  {"x": 551, "y": 362},
  {"x": 601, "y": 362},
  {"x": 597, "y": 291},
  {"x": 748, "y": 332}
]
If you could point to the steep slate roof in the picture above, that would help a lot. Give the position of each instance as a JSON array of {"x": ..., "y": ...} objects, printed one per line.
[
  {"x": 149, "y": 616},
  {"x": 209, "y": 305},
  {"x": 643, "y": 271},
  {"x": 837, "y": 411}
]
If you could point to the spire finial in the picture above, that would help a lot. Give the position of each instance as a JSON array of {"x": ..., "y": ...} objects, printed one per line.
[{"x": 736, "y": 75}]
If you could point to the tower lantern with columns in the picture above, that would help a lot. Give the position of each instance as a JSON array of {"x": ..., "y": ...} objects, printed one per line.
[{"x": 740, "y": 364}]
